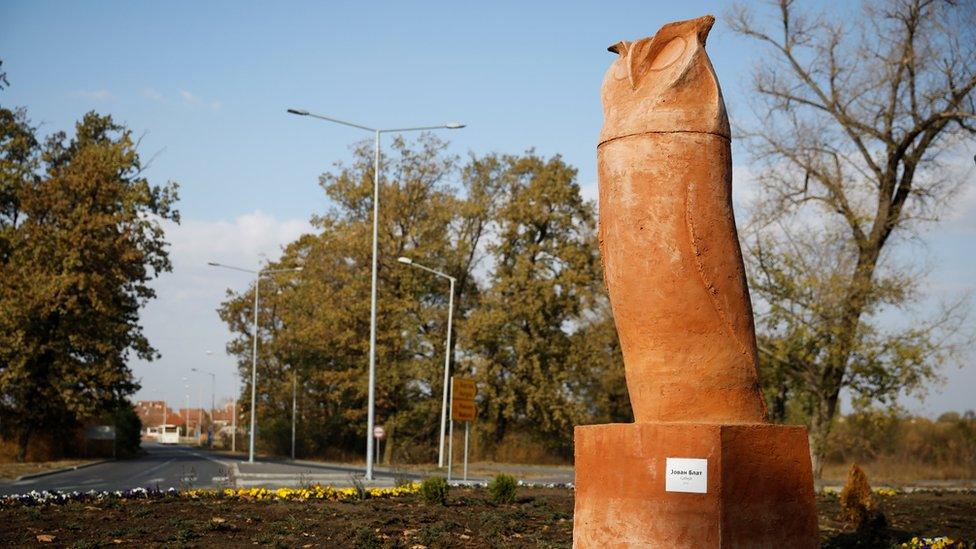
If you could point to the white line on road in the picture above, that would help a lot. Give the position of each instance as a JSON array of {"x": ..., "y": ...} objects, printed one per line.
[
  {"x": 205, "y": 456},
  {"x": 156, "y": 468}
]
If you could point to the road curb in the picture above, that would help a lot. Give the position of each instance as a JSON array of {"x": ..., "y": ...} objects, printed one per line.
[{"x": 61, "y": 470}]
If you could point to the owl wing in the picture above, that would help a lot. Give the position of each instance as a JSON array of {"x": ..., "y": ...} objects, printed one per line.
[{"x": 718, "y": 259}]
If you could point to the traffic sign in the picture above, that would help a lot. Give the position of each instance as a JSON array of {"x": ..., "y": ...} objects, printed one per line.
[
  {"x": 463, "y": 392},
  {"x": 379, "y": 432},
  {"x": 463, "y": 388},
  {"x": 463, "y": 410}
]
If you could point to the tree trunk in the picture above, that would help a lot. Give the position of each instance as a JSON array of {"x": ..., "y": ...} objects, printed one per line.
[
  {"x": 388, "y": 442},
  {"x": 22, "y": 442},
  {"x": 836, "y": 368},
  {"x": 820, "y": 425},
  {"x": 777, "y": 408}
]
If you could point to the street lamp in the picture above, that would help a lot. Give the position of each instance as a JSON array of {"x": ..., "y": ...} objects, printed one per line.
[
  {"x": 254, "y": 336},
  {"x": 233, "y": 433},
  {"x": 294, "y": 410},
  {"x": 447, "y": 346},
  {"x": 213, "y": 389},
  {"x": 186, "y": 409},
  {"x": 237, "y": 390},
  {"x": 370, "y": 414}
]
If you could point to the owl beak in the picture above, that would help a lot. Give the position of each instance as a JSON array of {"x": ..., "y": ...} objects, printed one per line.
[{"x": 704, "y": 25}]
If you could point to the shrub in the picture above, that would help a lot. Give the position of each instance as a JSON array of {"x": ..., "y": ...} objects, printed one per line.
[
  {"x": 860, "y": 511},
  {"x": 856, "y": 500},
  {"x": 434, "y": 490},
  {"x": 502, "y": 488}
]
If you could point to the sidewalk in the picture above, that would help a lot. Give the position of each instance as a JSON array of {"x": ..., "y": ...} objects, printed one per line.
[{"x": 271, "y": 472}]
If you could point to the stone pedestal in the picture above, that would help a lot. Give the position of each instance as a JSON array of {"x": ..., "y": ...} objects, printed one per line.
[{"x": 758, "y": 490}]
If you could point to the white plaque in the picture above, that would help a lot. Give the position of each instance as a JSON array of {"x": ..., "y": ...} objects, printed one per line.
[{"x": 686, "y": 475}]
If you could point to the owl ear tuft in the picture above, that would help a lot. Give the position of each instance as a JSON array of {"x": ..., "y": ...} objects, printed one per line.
[{"x": 620, "y": 48}]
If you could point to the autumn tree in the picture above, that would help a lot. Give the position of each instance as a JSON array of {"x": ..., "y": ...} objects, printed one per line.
[
  {"x": 544, "y": 279},
  {"x": 856, "y": 121},
  {"x": 324, "y": 317},
  {"x": 80, "y": 241}
]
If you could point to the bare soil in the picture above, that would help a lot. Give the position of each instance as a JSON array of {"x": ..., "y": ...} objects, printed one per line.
[{"x": 540, "y": 518}]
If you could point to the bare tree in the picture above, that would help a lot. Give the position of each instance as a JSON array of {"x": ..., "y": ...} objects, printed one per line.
[{"x": 856, "y": 119}]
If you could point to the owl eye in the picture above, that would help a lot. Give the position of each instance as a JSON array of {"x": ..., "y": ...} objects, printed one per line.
[{"x": 668, "y": 54}]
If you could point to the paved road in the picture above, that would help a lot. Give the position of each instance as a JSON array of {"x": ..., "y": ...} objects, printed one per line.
[
  {"x": 163, "y": 466},
  {"x": 189, "y": 467}
]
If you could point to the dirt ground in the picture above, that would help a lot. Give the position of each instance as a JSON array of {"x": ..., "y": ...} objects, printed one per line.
[{"x": 540, "y": 518}]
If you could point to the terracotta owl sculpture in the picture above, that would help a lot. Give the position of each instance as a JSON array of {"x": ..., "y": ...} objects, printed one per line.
[{"x": 671, "y": 256}]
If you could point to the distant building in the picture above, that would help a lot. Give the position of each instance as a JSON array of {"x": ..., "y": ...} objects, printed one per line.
[
  {"x": 153, "y": 414},
  {"x": 196, "y": 420},
  {"x": 222, "y": 417}
]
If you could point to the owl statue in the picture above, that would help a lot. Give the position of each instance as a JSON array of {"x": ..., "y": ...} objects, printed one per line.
[{"x": 671, "y": 257}]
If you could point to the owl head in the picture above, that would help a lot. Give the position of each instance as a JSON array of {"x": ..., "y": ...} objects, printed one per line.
[{"x": 664, "y": 83}]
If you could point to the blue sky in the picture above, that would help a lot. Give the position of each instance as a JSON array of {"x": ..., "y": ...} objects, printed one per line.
[{"x": 207, "y": 85}]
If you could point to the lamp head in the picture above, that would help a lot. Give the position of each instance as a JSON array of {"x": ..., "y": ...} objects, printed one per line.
[
  {"x": 299, "y": 112},
  {"x": 454, "y": 125},
  {"x": 405, "y": 260}
]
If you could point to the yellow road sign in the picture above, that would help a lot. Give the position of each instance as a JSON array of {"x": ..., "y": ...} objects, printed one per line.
[
  {"x": 463, "y": 388},
  {"x": 463, "y": 392},
  {"x": 463, "y": 410}
]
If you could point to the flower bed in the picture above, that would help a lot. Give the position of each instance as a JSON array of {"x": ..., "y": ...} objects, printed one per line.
[
  {"x": 943, "y": 542},
  {"x": 45, "y": 497},
  {"x": 315, "y": 492}
]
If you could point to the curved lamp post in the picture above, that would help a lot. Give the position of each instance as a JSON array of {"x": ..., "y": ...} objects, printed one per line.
[
  {"x": 213, "y": 389},
  {"x": 447, "y": 346},
  {"x": 254, "y": 336},
  {"x": 371, "y": 398}
]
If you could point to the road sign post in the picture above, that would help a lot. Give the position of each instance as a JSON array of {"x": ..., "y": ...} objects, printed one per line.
[
  {"x": 450, "y": 446},
  {"x": 463, "y": 392},
  {"x": 379, "y": 433}
]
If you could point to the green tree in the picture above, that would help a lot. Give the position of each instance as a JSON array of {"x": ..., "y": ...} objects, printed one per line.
[
  {"x": 80, "y": 240},
  {"x": 855, "y": 118}
]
